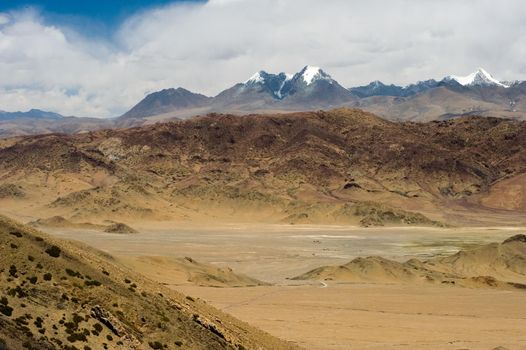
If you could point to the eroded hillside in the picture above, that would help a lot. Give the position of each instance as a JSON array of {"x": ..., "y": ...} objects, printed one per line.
[
  {"x": 63, "y": 295},
  {"x": 343, "y": 166},
  {"x": 495, "y": 265}
]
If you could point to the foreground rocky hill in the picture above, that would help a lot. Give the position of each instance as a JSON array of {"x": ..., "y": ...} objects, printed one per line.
[
  {"x": 344, "y": 166},
  {"x": 63, "y": 295}
]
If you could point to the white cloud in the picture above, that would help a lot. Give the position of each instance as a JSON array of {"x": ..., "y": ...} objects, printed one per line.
[
  {"x": 208, "y": 47},
  {"x": 4, "y": 18}
]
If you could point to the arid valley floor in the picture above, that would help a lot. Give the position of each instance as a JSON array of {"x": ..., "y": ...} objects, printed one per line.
[{"x": 378, "y": 314}]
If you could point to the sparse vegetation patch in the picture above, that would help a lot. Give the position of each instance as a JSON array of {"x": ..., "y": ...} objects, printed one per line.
[{"x": 53, "y": 251}]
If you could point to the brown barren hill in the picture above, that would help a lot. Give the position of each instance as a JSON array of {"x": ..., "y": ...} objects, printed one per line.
[
  {"x": 499, "y": 265},
  {"x": 340, "y": 166},
  {"x": 119, "y": 227},
  {"x": 184, "y": 271},
  {"x": 64, "y": 295}
]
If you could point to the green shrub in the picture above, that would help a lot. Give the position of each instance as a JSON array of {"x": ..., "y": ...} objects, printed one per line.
[
  {"x": 17, "y": 291},
  {"x": 77, "y": 318},
  {"x": 16, "y": 233},
  {"x": 53, "y": 251},
  {"x": 70, "y": 347},
  {"x": 38, "y": 322},
  {"x": 13, "y": 271},
  {"x": 6, "y": 310},
  {"x": 47, "y": 277},
  {"x": 73, "y": 337},
  {"x": 156, "y": 345},
  {"x": 21, "y": 321},
  {"x": 70, "y": 326},
  {"x": 33, "y": 279},
  {"x": 92, "y": 283},
  {"x": 72, "y": 273}
]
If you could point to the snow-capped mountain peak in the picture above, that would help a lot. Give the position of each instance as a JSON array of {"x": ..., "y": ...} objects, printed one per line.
[
  {"x": 478, "y": 78},
  {"x": 256, "y": 78},
  {"x": 309, "y": 80},
  {"x": 311, "y": 73},
  {"x": 274, "y": 83}
]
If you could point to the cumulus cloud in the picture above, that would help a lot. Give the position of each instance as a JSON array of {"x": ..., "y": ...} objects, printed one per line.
[{"x": 207, "y": 47}]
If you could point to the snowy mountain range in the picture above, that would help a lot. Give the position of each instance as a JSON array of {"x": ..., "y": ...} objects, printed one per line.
[
  {"x": 309, "y": 83},
  {"x": 311, "y": 88},
  {"x": 282, "y": 85},
  {"x": 478, "y": 78}
]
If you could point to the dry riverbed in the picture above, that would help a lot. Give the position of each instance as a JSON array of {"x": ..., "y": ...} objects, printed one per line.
[{"x": 334, "y": 315}]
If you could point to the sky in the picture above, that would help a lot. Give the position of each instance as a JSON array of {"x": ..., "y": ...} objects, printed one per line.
[{"x": 100, "y": 59}]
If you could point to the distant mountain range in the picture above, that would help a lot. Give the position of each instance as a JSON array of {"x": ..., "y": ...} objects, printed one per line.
[
  {"x": 313, "y": 88},
  {"x": 31, "y": 114},
  {"x": 36, "y": 121},
  {"x": 309, "y": 88},
  {"x": 479, "y": 78},
  {"x": 478, "y": 93}
]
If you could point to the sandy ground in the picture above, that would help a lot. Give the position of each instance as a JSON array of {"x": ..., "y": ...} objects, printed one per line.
[
  {"x": 365, "y": 316},
  {"x": 336, "y": 316}
]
